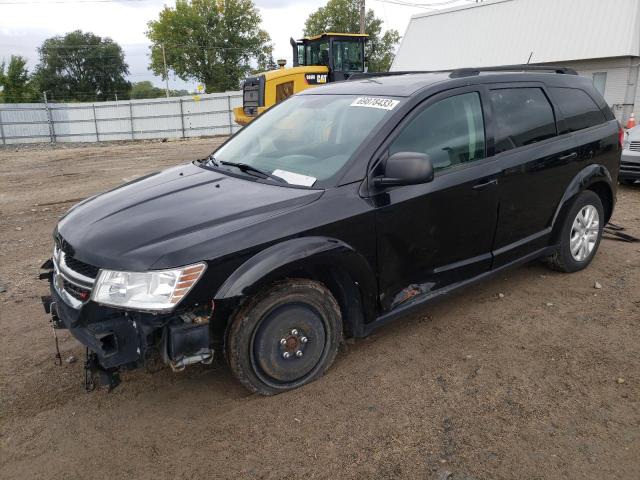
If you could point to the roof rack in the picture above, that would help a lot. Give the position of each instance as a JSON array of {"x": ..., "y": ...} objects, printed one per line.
[{"x": 469, "y": 72}]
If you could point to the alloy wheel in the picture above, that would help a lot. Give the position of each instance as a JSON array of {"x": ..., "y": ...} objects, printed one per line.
[{"x": 584, "y": 233}]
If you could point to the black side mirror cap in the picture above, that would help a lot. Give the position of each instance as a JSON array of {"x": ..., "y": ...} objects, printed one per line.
[{"x": 406, "y": 168}]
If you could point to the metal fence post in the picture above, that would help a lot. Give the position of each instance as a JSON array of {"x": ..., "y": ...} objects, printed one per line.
[
  {"x": 133, "y": 137},
  {"x": 4, "y": 142},
  {"x": 52, "y": 130},
  {"x": 230, "y": 116},
  {"x": 95, "y": 122},
  {"x": 182, "y": 117}
]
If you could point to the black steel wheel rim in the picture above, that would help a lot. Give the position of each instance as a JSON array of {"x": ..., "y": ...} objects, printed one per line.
[{"x": 289, "y": 344}]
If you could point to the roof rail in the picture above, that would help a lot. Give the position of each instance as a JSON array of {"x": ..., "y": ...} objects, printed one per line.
[{"x": 469, "y": 72}]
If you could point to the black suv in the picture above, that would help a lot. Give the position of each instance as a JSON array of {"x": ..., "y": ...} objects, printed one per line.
[{"x": 335, "y": 212}]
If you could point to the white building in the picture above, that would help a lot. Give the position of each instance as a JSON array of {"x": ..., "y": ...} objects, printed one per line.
[{"x": 598, "y": 38}]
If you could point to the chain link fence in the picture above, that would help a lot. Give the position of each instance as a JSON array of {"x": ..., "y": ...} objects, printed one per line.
[{"x": 178, "y": 117}]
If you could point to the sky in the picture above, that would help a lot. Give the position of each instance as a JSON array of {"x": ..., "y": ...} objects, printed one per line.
[{"x": 24, "y": 24}]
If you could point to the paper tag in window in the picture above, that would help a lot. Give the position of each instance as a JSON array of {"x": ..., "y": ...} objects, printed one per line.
[
  {"x": 295, "y": 178},
  {"x": 375, "y": 102}
]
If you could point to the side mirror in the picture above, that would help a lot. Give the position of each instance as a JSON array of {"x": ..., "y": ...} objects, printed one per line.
[{"x": 406, "y": 168}]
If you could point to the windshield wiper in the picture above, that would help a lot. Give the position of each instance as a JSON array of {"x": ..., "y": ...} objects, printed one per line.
[{"x": 245, "y": 167}]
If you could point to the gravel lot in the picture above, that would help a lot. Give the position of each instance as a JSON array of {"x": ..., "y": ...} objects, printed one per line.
[{"x": 533, "y": 374}]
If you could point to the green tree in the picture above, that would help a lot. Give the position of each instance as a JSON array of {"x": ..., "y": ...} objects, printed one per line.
[
  {"x": 344, "y": 16},
  {"x": 266, "y": 65},
  {"x": 146, "y": 90},
  {"x": 212, "y": 42},
  {"x": 15, "y": 81},
  {"x": 178, "y": 93},
  {"x": 82, "y": 66}
]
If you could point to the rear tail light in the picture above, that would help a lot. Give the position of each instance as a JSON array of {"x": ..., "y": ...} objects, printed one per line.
[{"x": 621, "y": 136}]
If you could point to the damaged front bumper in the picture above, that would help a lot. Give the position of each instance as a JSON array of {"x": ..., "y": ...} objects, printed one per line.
[{"x": 120, "y": 339}]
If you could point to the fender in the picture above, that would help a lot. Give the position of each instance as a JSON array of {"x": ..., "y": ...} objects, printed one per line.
[
  {"x": 586, "y": 177},
  {"x": 351, "y": 270}
]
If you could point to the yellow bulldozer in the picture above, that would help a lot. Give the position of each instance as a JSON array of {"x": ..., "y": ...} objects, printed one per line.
[{"x": 317, "y": 60}]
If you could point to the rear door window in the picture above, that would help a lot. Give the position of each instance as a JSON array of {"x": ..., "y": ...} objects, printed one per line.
[
  {"x": 450, "y": 131},
  {"x": 578, "y": 108},
  {"x": 522, "y": 116}
]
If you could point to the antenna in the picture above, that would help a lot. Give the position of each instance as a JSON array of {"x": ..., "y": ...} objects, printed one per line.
[{"x": 529, "y": 61}]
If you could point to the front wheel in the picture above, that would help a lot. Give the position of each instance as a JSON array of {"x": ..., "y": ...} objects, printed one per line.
[
  {"x": 580, "y": 235},
  {"x": 284, "y": 337}
]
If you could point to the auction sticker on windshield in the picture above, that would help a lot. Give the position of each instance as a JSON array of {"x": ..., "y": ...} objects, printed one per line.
[{"x": 375, "y": 102}]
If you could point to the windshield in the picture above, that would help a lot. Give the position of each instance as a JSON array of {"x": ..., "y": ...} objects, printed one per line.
[{"x": 307, "y": 138}]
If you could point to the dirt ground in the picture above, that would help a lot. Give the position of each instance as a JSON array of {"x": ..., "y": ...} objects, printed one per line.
[{"x": 541, "y": 382}]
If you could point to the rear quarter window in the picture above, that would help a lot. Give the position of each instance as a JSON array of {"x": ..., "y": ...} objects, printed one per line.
[
  {"x": 522, "y": 116},
  {"x": 578, "y": 108}
]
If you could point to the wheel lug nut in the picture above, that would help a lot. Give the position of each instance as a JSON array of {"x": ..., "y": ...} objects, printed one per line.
[
  {"x": 294, "y": 332},
  {"x": 283, "y": 341},
  {"x": 299, "y": 353},
  {"x": 304, "y": 339},
  {"x": 286, "y": 355}
]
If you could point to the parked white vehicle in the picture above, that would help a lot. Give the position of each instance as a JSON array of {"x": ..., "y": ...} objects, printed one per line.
[{"x": 630, "y": 163}]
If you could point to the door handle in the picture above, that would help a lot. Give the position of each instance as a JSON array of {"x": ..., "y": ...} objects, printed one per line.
[
  {"x": 487, "y": 184},
  {"x": 570, "y": 156}
]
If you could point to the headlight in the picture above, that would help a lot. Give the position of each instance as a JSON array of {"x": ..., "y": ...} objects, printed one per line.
[{"x": 156, "y": 290}]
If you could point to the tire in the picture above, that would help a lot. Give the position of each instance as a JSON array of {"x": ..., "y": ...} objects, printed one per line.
[
  {"x": 285, "y": 337},
  {"x": 573, "y": 232}
]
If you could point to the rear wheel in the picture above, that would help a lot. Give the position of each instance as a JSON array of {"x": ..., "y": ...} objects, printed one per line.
[
  {"x": 286, "y": 336},
  {"x": 580, "y": 235}
]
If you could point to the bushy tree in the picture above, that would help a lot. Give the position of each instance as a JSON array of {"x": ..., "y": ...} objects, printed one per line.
[
  {"x": 146, "y": 89},
  {"x": 344, "y": 16},
  {"x": 15, "y": 81},
  {"x": 178, "y": 93},
  {"x": 82, "y": 66},
  {"x": 266, "y": 65},
  {"x": 214, "y": 42}
]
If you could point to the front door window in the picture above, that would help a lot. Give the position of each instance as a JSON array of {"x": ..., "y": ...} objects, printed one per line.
[{"x": 450, "y": 131}]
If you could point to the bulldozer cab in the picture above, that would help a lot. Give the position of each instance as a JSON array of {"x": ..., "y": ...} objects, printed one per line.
[
  {"x": 341, "y": 53},
  {"x": 317, "y": 60}
]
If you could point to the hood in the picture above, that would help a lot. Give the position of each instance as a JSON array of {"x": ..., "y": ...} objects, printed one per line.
[
  {"x": 161, "y": 218},
  {"x": 634, "y": 134}
]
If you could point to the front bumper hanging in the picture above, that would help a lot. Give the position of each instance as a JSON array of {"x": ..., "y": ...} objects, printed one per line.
[{"x": 118, "y": 340}]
